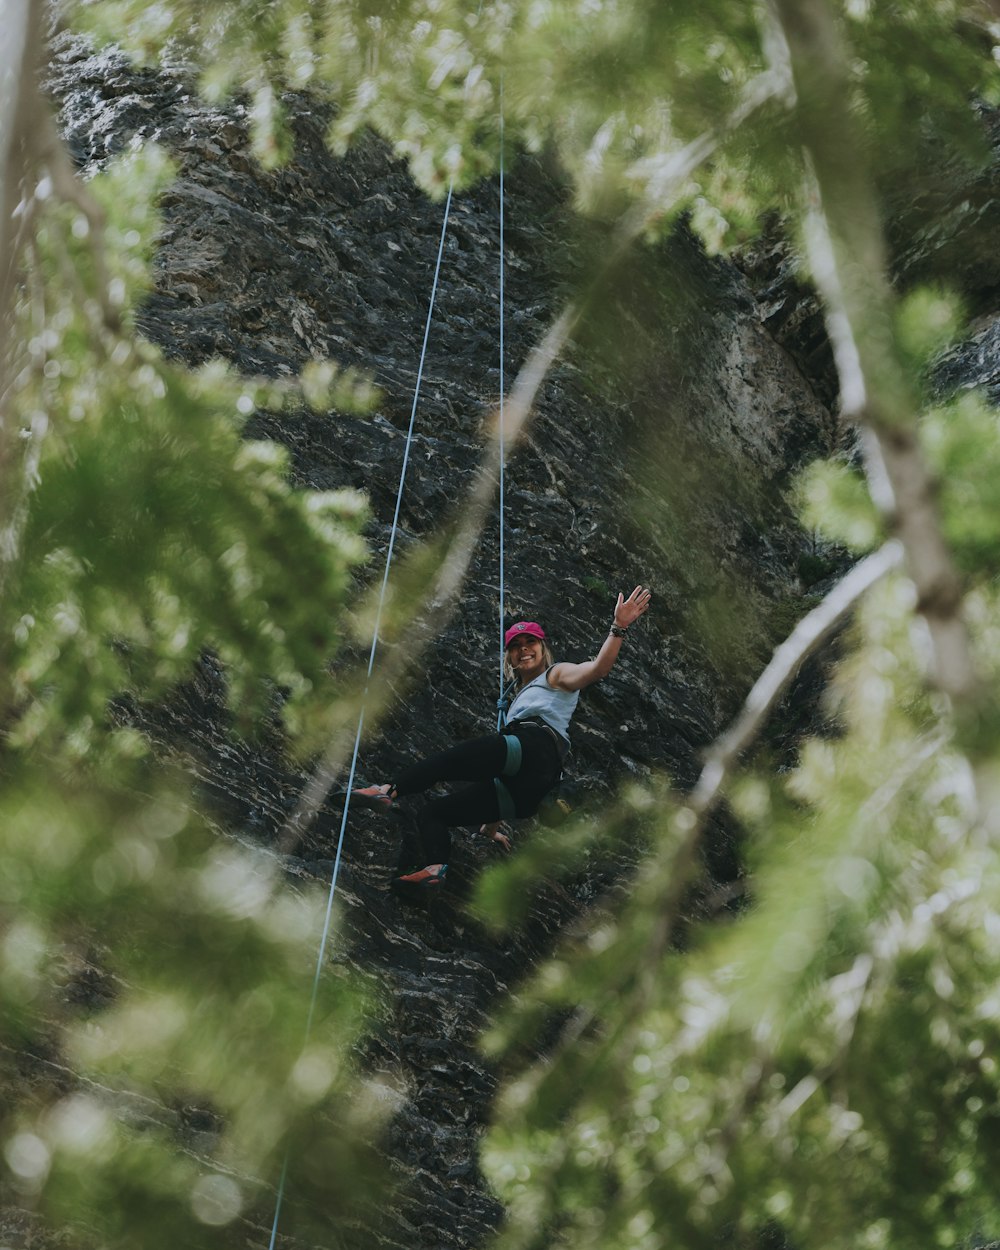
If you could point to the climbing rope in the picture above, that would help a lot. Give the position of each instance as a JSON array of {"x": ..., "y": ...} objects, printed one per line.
[
  {"x": 321, "y": 955},
  {"x": 501, "y": 714}
]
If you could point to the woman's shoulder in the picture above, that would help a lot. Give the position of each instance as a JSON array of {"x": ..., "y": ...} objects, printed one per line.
[{"x": 551, "y": 676}]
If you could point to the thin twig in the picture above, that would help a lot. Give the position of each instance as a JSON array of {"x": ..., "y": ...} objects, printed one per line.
[
  {"x": 916, "y": 758},
  {"x": 853, "y": 990},
  {"x": 691, "y": 821}
]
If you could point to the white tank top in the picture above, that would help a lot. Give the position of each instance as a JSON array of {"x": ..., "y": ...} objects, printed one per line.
[{"x": 538, "y": 698}]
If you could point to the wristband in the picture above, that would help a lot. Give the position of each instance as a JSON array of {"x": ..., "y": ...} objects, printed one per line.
[{"x": 618, "y": 631}]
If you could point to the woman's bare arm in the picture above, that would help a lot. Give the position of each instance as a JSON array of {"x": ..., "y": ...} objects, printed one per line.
[{"x": 578, "y": 676}]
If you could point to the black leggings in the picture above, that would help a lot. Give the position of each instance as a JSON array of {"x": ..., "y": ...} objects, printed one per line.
[{"x": 477, "y": 761}]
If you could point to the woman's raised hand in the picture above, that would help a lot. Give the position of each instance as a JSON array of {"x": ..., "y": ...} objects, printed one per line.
[
  {"x": 570, "y": 677},
  {"x": 629, "y": 610}
]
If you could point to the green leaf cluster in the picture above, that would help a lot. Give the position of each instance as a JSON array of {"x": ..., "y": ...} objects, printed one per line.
[
  {"x": 154, "y": 985},
  {"x": 155, "y": 530},
  {"x": 826, "y": 1061}
]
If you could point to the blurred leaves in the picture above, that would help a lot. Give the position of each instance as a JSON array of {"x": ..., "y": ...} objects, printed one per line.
[
  {"x": 616, "y": 87},
  {"x": 825, "y": 1060},
  {"x": 504, "y": 896},
  {"x": 155, "y": 530},
  {"x": 824, "y": 1064},
  {"x": 156, "y": 983},
  {"x": 835, "y": 502},
  {"x": 961, "y": 438},
  {"x": 928, "y": 321}
]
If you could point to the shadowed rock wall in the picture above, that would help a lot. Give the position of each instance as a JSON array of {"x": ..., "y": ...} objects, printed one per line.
[{"x": 660, "y": 453}]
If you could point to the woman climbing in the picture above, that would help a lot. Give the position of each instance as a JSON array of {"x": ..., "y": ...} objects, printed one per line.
[{"x": 509, "y": 772}]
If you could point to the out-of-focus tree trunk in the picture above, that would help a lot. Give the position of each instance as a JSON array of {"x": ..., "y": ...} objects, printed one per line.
[
  {"x": 847, "y": 252},
  {"x": 18, "y": 104}
]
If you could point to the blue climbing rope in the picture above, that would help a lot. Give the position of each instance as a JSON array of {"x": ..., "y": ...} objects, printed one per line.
[
  {"x": 321, "y": 955},
  {"x": 500, "y": 715}
]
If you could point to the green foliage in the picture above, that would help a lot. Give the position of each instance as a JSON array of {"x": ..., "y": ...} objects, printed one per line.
[
  {"x": 824, "y": 1064},
  {"x": 835, "y": 502},
  {"x": 961, "y": 439},
  {"x": 618, "y": 88},
  {"x": 825, "y": 1061},
  {"x": 155, "y": 530},
  {"x": 504, "y": 896},
  {"x": 928, "y": 321},
  {"x": 155, "y": 983}
]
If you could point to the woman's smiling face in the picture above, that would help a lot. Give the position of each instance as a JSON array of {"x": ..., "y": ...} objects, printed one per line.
[{"x": 527, "y": 659}]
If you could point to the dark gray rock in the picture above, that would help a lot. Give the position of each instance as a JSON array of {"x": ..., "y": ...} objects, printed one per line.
[
  {"x": 661, "y": 452},
  {"x": 974, "y": 363}
]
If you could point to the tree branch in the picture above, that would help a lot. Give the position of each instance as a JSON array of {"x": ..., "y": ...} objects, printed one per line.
[
  {"x": 815, "y": 628},
  {"x": 678, "y": 862},
  {"x": 846, "y": 248},
  {"x": 19, "y": 50}
]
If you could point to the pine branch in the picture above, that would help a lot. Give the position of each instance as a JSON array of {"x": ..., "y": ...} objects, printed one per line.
[
  {"x": 815, "y": 628},
  {"x": 677, "y": 863}
]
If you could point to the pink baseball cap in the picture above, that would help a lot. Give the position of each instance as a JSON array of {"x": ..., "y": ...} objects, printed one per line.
[{"x": 523, "y": 627}]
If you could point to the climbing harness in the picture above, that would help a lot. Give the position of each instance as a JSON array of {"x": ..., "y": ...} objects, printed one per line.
[
  {"x": 512, "y": 764},
  {"x": 511, "y": 767}
]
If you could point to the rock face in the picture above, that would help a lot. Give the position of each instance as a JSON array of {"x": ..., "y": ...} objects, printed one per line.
[{"x": 661, "y": 452}]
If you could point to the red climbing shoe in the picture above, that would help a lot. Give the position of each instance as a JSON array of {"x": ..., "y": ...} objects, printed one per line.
[
  {"x": 429, "y": 878},
  {"x": 379, "y": 798}
]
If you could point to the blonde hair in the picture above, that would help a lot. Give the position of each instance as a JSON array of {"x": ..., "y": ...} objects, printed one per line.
[{"x": 509, "y": 674}]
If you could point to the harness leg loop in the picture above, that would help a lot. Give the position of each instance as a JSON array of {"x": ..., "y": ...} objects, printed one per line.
[
  {"x": 505, "y": 801},
  {"x": 512, "y": 764}
]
